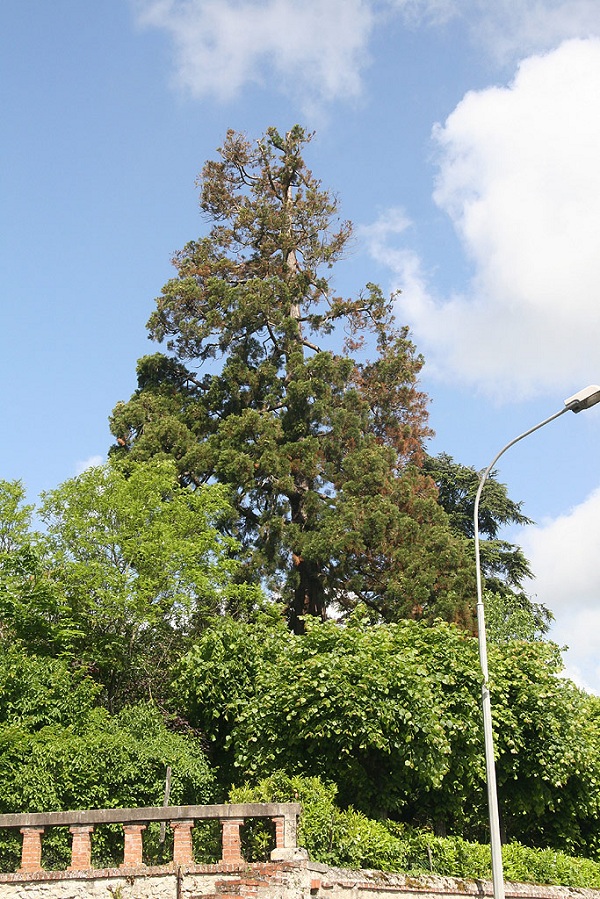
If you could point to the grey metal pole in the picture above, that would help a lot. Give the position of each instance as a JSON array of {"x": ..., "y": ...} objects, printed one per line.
[
  {"x": 583, "y": 399},
  {"x": 490, "y": 765}
]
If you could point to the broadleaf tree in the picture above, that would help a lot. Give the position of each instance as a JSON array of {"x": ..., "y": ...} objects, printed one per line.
[
  {"x": 29, "y": 599},
  {"x": 143, "y": 565},
  {"x": 130, "y": 567},
  {"x": 267, "y": 386}
]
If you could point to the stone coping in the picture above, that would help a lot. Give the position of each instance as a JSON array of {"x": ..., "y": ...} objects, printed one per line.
[{"x": 152, "y": 813}]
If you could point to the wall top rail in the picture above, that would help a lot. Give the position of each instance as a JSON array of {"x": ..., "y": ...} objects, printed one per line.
[{"x": 159, "y": 813}]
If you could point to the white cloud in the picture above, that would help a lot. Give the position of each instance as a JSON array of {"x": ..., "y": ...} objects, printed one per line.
[
  {"x": 512, "y": 29},
  {"x": 316, "y": 48},
  {"x": 381, "y": 236},
  {"x": 509, "y": 29},
  {"x": 564, "y": 555},
  {"x": 520, "y": 179},
  {"x": 91, "y": 462},
  {"x": 427, "y": 12}
]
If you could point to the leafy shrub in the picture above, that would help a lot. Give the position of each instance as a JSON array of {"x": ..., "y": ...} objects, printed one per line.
[
  {"x": 95, "y": 760},
  {"x": 522, "y": 863},
  {"x": 111, "y": 762},
  {"x": 344, "y": 838},
  {"x": 347, "y": 838}
]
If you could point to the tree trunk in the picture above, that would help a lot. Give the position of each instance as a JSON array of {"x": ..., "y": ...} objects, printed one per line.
[{"x": 309, "y": 597}]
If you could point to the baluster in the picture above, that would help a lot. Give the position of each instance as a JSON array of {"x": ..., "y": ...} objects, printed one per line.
[
  {"x": 232, "y": 846},
  {"x": 81, "y": 849},
  {"x": 183, "y": 853},
  {"x": 31, "y": 850},
  {"x": 134, "y": 846}
]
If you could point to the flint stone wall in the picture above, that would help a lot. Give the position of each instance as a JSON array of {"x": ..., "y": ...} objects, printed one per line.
[{"x": 299, "y": 879}]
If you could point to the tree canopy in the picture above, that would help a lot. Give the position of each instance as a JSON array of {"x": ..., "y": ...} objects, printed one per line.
[
  {"x": 130, "y": 567},
  {"x": 320, "y": 448}
]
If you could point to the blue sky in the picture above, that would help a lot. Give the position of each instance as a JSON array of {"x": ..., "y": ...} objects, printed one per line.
[{"x": 463, "y": 140}]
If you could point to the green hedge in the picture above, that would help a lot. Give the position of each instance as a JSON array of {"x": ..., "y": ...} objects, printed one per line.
[{"x": 348, "y": 839}]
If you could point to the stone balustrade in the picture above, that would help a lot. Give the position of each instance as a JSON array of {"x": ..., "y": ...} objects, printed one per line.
[
  {"x": 134, "y": 821},
  {"x": 289, "y": 875}
]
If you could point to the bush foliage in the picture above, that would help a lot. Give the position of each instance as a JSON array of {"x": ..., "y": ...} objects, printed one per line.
[{"x": 346, "y": 838}]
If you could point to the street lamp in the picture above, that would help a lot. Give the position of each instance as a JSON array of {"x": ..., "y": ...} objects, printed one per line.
[{"x": 584, "y": 399}]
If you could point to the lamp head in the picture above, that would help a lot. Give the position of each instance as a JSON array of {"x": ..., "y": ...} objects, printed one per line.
[{"x": 584, "y": 399}]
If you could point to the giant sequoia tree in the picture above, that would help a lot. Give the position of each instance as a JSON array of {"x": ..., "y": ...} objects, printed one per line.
[{"x": 262, "y": 390}]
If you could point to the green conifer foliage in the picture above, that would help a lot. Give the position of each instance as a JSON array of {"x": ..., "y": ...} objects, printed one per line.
[{"x": 267, "y": 387}]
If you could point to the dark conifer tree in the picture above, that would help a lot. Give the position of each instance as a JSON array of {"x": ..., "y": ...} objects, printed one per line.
[{"x": 322, "y": 450}]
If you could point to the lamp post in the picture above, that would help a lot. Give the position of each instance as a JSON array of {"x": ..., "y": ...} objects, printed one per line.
[{"x": 584, "y": 399}]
